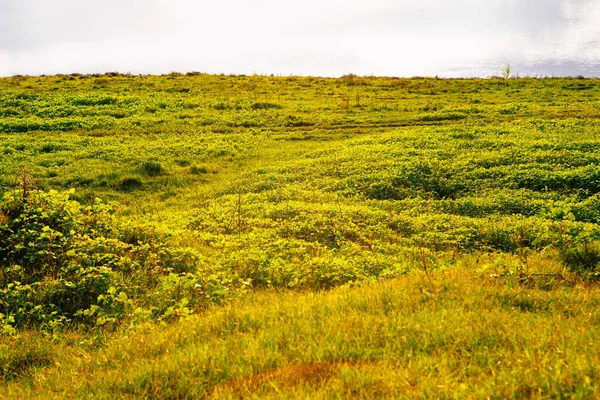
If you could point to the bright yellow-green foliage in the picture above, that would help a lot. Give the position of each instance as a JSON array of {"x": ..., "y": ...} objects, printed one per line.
[
  {"x": 457, "y": 335},
  {"x": 461, "y": 219}
]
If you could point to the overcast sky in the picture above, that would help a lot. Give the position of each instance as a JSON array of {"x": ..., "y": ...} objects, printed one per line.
[{"x": 309, "y": 37}]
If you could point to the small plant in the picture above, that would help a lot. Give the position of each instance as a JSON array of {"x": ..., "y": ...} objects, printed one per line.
[
  {"x": 345, "y": 103},
  {"x": 506, "y": 72},
  {"x": 25, "y": 184}
]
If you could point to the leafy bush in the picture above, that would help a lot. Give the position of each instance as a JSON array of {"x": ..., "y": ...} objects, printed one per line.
[
  {"x": 62, "y": 263},
  {"x": 50, "y": 270}
]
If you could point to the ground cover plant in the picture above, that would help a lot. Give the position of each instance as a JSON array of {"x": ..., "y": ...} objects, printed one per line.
[{"x": 197, "y": 235}]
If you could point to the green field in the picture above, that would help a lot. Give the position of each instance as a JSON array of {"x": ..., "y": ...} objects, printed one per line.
[{"x": 189, "y": 236}]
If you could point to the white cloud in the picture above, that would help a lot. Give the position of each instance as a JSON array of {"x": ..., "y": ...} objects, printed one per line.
[{"x": 323, "y": 37}]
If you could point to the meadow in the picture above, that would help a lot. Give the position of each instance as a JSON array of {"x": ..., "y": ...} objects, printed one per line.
[{"x": 193, "y": 235}]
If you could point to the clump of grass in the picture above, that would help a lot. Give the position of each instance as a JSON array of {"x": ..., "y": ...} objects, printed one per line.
[
  {"x": 153, "y": 168},
  {"x": 582, "y": 258},
  {"x": 48, "y": 148},
  {"x": 222, "y": 106},
  {"x": 130, "y": 184},
  {"x": 23, "y": 359},
  {"x": 264, "y": 106},
  {"x": 199, "y": 169}
]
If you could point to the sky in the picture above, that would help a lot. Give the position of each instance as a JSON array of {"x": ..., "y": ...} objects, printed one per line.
[{"x": 309, "y": 37}]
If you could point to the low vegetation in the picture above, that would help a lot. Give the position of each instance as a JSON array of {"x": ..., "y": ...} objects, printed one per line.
[{"x": 232, "y": 236}]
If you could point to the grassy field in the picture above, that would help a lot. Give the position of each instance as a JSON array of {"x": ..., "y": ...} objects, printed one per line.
[{"x": 188, "y": 236}]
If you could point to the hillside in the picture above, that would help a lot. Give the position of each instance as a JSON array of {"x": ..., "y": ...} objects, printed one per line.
[{"x": 201, "y": 235}]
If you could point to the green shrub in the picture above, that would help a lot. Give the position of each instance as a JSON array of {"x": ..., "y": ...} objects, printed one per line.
[
  {"x": 50, "y": 269},
  {"x": 63, "y": 263}
]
